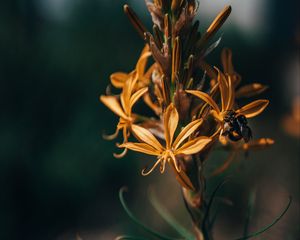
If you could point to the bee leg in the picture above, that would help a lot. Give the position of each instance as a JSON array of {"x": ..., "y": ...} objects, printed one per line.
[{"x": 234, "y": 138}]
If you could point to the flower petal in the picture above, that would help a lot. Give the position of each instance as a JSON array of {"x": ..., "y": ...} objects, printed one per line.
[
  {"x": 146, "y": 136},
  {"x": 253, "y": 109},
  {"x": 137, "y": 95},
  {"x": 224, "y": 90},
  {"x": 186, "y": 132},
  {"x": 113, "y": 104},
  {"x": 141, "y": 64},
  {"x": 231, "y": 94},
  {"x": 251, "y": 90},
  {"x": 193, "y": 146},
  {"x": 206, "y": 98},
  {"x": 171, "y": 119},
  {"x": 118, "y": 79},
  {"x": 140, "y": 147}
]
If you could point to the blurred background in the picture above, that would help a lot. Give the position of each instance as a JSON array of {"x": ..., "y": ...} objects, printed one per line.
[{"x": 58, "y": 176}]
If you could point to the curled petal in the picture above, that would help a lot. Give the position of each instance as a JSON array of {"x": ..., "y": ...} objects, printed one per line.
[
  {"x": 186, "y": 132},
  {"x": 120, "y": 155},
  {"x": 206, "y": 98},
  {"x": 146, "y": 172},
  {"x": 253, "y": 109},
  {"x": 250, "y": 90},
  {"x": 193, "y": 146}
]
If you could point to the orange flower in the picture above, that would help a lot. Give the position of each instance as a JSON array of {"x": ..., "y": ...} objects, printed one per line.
[
  {"x": 227, "y": 93},
  {"x": 167, "y": 154},
  {"x": 123, "y": 108}
]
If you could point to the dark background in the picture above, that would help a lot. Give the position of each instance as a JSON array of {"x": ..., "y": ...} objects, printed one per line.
[{"x": 57, "y": 174}]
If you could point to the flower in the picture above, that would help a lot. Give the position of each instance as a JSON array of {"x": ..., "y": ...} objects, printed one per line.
[
  {"x": 227, "y": 95},
  {"x": 122, "y": 107},
  {"x": 167, "y": 154}
]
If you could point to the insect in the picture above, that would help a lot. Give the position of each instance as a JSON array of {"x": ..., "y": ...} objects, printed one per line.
[{"x": 236, "y": 127}]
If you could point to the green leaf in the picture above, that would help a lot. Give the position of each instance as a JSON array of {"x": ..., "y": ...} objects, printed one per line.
[
  {"x": 268, "y": 226},
  {"x": 168, "y": 218},
  {"x": 136, "y": 220},
  {"x": 251, "y": 202}
]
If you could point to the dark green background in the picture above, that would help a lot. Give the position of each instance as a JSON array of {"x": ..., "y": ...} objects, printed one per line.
[{"x": 57, "y": 175}]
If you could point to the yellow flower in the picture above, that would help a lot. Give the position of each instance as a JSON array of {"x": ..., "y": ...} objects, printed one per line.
[
  {"x": 123, "y": 108},
  {"x": 167, "y": 154},
  {"x": 118, "y": 79},
  {"x": 227, "y": 95}
]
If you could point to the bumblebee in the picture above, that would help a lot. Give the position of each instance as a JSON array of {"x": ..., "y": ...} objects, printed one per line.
[{"x": 236, "y": 127}]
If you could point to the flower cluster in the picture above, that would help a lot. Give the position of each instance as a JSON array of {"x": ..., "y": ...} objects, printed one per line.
[{"x": 195, "y": 105}]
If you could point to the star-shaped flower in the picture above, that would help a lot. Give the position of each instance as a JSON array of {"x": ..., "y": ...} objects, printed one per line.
[{"x": 173, "y": 147}]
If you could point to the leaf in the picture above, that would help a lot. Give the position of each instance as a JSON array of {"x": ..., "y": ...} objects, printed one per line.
[
  {"x": 268, "y": 226},
  {"x": 137, "y": 221},
  {"x": 161, "y": 210},
  {"x": 251, "y": 202},
  {"x": 210, "y": 202}
]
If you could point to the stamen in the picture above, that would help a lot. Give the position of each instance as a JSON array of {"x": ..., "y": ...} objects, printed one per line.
[
  {"x": 145, "y": 173},
  {"x": 120, "y": 155},
  {"x": 111, "y": 136}
]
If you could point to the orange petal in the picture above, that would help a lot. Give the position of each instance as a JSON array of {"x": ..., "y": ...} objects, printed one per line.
[
  {"x": 250, "y": 90},
  {"x": 146, "y": 136},
  {"x": 193, "y": 146},
  {"x": 171, "y": 119},
  {"x": 118, "y": 79},
  {"x": 206, "y": 98},
  {"x": 253, "y": 109},
  {"x": 113, "y": 104},
  {"x": 231, "y": 94},
  {"x": 186, "y": 132},
  {"x": 140, "y": 147},
  {"x": 141, "y": 64},
  {"x": 137, "y": 95},
  {"x": 223, "y": 89}
]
